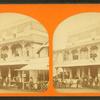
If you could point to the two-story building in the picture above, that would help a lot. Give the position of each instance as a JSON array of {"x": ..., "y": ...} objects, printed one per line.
[
  {"x": 23, "y": 49},
  {"x": 81, "y": 56}
]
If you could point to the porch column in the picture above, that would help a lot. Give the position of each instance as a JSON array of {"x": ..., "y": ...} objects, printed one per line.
[
  {"x": 9, "y": 75},
  {"x": 79, "y": 56},
  {"x": 9, "y": 52},
  {"x": 0, "y": 53},
  {"x": 70, "y": 55},
  {"x": 30, "y": 73},
  {"x": 31, "y": 51},
  {"x": 20, "y": 51},
  {"x": 63, "y": 74},
  {"x": 18, "y": 73},
  {"x": 23, "y": 50},
  {"x": 60, "y": 58},
  {"x": 0, "y": 74},
  {"x": 89, "y": 51},
  {"x": 43, "y": 75},
  {"x": 56, "y": 72},
  {"x": 35, "y": 76},
  {"x": 99, "y": 72},
  {"x": 70, "y": 73},
  {"x": 89, "y": 73},
  {"x": 98, "y": 52},
  {"x": 23, "y": 80},
  {"x": 19, "y": 76},
  {"x": 34, "y": 52},
  {"x": 83, "y": 72},
  {"x": 78, "y": 72},
  {"x": 56, "y": 56}
]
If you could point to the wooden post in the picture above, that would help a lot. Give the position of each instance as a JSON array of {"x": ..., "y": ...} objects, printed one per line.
[
  {"x": 9, "y": 76},
  {"x": 70, "y": 73},
  {"x": 83, "y": 72},
  {"x": 56, "y": 72},
  {"x": 78, "y": 72},
  {"x": 23, "y": 80},
  {"x": 9, "y": 52},
  {"x": 63, "y": 74},
  {"x": 89, "y": 73}
]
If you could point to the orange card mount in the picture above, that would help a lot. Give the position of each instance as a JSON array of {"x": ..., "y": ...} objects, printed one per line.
[{"x": 49, "y": 50}]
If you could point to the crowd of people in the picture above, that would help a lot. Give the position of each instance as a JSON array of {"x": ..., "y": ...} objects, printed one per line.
[
  {"x": 84, "y": 82},
  {"x": 27, "y": 84}
]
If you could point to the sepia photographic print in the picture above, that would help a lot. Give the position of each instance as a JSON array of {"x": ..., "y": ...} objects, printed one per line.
[
  {"x": 23, "y": 54},
  {"x": 76, "y": 54}
]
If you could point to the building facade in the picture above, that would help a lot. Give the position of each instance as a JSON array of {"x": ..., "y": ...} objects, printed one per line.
[
  {"x": 80, "y": 58},
  {"x": 20, "y": 45}
]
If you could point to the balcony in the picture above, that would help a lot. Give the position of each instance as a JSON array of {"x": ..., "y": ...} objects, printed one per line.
[
  {"x": 21, "y": 60},
  {"x": 78, "y": 63}
]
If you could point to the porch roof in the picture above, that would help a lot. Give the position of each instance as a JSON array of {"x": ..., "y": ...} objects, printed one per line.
[
  {"x": 79, "y": 63},
  {"x": 35, "y": 67},
  {"x": 38, "y": 64}
]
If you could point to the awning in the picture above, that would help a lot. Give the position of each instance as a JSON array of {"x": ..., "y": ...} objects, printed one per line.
[
  {"x": 35, "y": 67},
  {"x": 38, "y": 64}
]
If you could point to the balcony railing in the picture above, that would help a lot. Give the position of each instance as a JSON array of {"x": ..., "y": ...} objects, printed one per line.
[
  {"x": 21, "y": 60},
  {"x": 79, "y": 62}
]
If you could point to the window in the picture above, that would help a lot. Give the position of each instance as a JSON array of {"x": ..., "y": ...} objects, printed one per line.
[
  {"x": 44, "y": 52},
  {"x": 65, "y": 55},
  {"x": 16, "y": 53},
  {"x": 75, "y": 57},
  {"x": 4, "y": 56},
  {"x": 93, "y": 52},
  {"x": 93, "y": 56},
  {"x": 84, "y": 53},
  {"x": 75, "y": 54},
  {"x": 4, "y": 52},
  {"x": 27, "y": 52}
]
